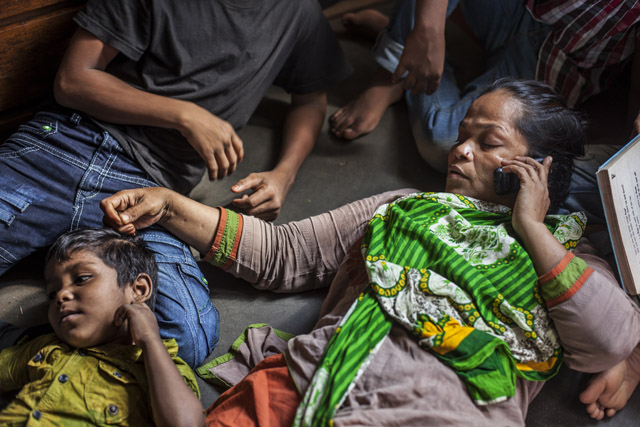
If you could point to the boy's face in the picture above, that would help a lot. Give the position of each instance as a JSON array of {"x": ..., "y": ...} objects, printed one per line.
[{"x": 84, "y": 296}]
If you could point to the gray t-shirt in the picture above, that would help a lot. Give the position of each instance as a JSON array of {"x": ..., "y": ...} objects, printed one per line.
[{"x": 221, "y": 55}]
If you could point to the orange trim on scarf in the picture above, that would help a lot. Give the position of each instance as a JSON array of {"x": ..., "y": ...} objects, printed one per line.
[
  {"x": 266, "y": 397},
  {"x": 572, "y": 290}
]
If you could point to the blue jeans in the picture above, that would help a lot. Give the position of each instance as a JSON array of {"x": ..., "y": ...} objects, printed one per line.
[
  {"x": 511, "y": 39},
  {"x": 53, "y": 173}
]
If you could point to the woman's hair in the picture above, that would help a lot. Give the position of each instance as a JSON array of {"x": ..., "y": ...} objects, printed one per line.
[
  {"x": 128, "y": 255},
  {"x": 550, "y": 128}
]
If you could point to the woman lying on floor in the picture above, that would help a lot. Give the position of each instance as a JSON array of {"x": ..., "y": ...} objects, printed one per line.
[{"x": 446, "y": 308}]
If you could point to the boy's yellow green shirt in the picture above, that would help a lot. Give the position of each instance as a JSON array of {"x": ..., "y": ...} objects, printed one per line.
[{"x": 62, "y": 385}]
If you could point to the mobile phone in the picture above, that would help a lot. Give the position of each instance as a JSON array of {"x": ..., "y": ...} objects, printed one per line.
[{"x": 505, "y": 183}]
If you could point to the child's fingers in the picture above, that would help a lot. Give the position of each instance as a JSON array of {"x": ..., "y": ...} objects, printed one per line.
[
  {"x": 128, "y": 229},
  {"x": 121, "y": 315},
  {"x": 143, "y": 325},
  {"x": 248, "y": 183}
]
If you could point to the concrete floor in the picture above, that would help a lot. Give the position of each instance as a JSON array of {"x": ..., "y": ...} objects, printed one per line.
[{"x": 336, "y": 173}]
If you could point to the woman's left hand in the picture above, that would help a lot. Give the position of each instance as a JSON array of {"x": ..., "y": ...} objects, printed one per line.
[
  {"x": 532, "y": 202},
  {"x": 530, "y": 209}
]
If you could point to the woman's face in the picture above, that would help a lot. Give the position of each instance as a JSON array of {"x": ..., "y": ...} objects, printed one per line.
[{"x": 486, "y": 136}]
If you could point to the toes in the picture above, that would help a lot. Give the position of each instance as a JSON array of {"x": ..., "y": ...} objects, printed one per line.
[
  {"x": 336, "y": 117},
  {"x": 341, "y": 124},
  {"x": 351, "y": 133},
  {"x": 596, "y": 412},
  {"x": 610, "y": 412}
]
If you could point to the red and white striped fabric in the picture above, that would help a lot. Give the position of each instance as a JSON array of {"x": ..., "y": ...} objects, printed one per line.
[{"x": 589, "y": 41}]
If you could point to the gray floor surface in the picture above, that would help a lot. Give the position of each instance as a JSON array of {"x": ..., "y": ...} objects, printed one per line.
[{"x": 336, "y": 173}]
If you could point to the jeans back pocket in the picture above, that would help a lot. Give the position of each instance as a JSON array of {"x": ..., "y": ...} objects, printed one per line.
[{"x": 9, "y": 202}]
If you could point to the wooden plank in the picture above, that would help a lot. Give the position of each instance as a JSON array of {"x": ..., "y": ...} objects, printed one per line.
[
  {"x": 9, "y": 121},
  {"x": 12, "y": 9},
  {"x": 16, "y": 7},
  {"x": 30, "y": 53}
]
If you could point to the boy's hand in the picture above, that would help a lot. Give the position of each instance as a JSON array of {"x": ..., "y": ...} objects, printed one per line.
[
  {"x": 215, "y": 140},
  {"x": 269, "y": 192},
  {"x": 173, "y": 403},
  {"x": 423, "y": 61},
  {"x": 143, "y": 326},
  {"x": 138, "y": 208}
]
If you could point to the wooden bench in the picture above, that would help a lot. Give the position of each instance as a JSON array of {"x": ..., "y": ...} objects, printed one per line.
[{"x": 33, "y": 37}]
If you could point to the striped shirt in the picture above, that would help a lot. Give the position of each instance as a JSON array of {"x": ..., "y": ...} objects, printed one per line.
[{"x": 588, "y": 43}]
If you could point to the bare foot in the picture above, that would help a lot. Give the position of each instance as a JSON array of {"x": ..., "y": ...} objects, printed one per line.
[
  {"x": 610, "y": 390},
  {"x": 367, "y": 22},
  {"x": 362, "y": 114}
]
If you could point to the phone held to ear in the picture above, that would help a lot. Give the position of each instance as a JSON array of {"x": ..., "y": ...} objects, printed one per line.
[{"x": 506, "y": 183}]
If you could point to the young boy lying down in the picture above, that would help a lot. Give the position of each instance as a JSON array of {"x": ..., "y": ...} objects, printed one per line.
[{"x": 106, "y": 363}]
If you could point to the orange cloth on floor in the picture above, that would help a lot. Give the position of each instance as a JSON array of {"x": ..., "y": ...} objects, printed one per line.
[{"x": 266, "y": 397}]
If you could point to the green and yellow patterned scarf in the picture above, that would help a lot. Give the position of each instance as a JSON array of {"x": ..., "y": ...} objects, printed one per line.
[{"x": 449, "y": 269}]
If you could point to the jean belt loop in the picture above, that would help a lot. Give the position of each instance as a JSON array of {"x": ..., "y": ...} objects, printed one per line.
[{"x": 75, "y": 119}]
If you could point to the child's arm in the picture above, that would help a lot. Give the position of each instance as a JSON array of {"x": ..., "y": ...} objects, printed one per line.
[
  {"x": 173, "y": 403},
  {"x": 301, "y": 129}
]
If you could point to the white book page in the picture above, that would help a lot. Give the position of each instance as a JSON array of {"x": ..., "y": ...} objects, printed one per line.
[{"x": 624, "y": 180}]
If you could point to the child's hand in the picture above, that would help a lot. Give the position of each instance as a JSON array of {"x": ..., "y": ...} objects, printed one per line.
[{"x": 143, "y": 325}]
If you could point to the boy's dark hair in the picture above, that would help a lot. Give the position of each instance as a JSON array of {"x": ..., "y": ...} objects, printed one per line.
[
  {"x": 550, "y": 128},
  {"x": 128, "y": 255}
]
